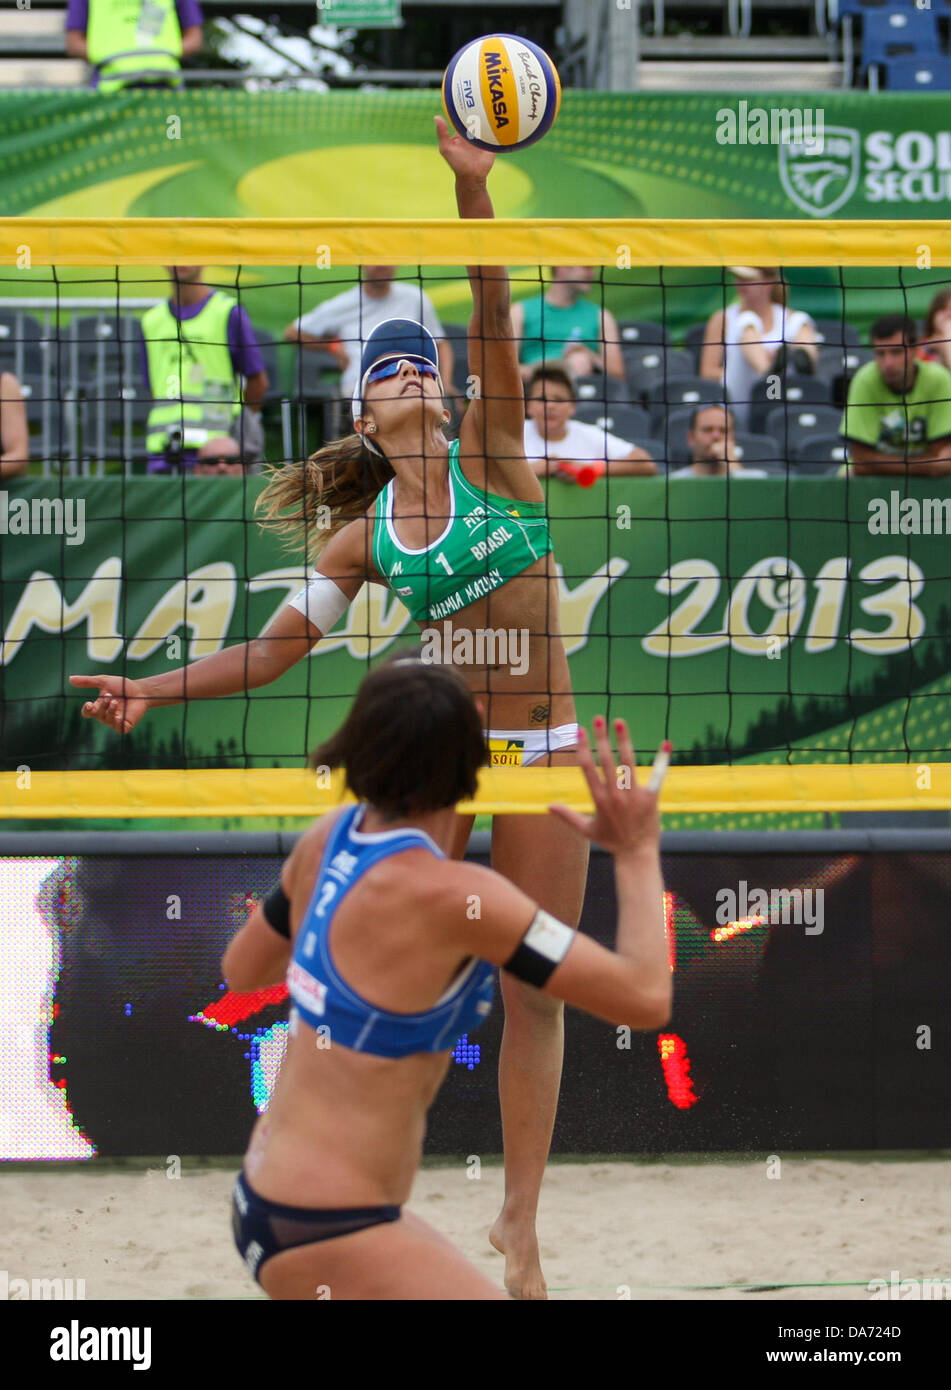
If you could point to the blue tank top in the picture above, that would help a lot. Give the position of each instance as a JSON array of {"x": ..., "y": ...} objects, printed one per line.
[{"x": 323, "y": 998}]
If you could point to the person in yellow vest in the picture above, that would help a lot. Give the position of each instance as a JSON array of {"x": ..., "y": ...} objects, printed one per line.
[
  {"x": 197, "y": 348},
  {"x": 133, "y": 43}
]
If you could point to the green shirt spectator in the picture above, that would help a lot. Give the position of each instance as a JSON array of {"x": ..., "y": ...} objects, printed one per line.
[
  {"x": 563, "y": 323},
  {"x": 898, "y": 415}
]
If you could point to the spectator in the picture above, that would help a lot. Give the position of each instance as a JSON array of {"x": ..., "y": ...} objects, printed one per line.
[
  {"x": 220, "y": 458},
  {"x": 754, "y": 336},
  {"x": 133, "y": 45},
  {"x": 196, "y": 348},
  {"x": 342, "y": 325},
  {"x": 564, "y": 323},
  {"x": 711, "y": 440},
  {"x": 898, "y": 415},
  {"x": 554, "y": 438},
  {"x": 936, "y": 346},
  {"x": 14, "y": 431}
]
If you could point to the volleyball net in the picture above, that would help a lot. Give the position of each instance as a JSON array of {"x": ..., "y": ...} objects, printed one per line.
[{"x": 726, "y": 581}]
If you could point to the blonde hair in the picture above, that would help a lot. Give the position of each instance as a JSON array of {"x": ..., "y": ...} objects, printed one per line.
[
  {"x": 340, "y": 480},
  {"x": 779, "y": 291}
]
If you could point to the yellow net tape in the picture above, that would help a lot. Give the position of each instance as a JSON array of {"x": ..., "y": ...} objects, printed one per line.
[
  {"x": 525, "y": 791},
  {"x": 622, "y": 242}
]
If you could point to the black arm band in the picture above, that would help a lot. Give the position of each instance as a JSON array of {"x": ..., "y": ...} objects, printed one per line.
[
  {"x": 540, "y": 951},
  {"x": 277, "y": 911}
]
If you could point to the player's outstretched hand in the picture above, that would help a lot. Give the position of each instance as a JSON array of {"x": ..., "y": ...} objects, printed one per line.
[
  {"x": 463, "y": 157},
  {"x": 625, "y": 815},
  {"x": 120, "y": 704}
]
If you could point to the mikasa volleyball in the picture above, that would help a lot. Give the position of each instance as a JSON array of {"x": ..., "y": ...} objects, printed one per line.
[{"x": 501, "y": 92}]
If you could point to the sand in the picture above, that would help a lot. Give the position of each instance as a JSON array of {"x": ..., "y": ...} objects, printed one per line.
[{"x": 821, "y": 1229}]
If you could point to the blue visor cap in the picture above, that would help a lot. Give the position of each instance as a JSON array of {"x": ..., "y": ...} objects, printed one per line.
[{"x": 394, "y": 338}]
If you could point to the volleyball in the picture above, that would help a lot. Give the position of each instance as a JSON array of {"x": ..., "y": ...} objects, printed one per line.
[{"x": 501, "y": 92}]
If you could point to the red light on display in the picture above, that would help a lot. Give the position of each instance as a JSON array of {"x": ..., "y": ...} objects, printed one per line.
[
  {"x": 231, "y": 1008},
  {"x": 676, "y": 1067}
]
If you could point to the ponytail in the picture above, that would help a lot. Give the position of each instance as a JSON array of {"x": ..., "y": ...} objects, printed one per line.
[{"x": 308, "y": 502}]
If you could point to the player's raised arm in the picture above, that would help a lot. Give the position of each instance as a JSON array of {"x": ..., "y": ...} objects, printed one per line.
[
  {"x": 495, "y": 419},
  {"x": 121, "y": 703}
]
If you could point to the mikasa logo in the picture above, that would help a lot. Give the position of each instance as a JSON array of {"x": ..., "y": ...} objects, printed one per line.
[{"x": 494, "y": 72}]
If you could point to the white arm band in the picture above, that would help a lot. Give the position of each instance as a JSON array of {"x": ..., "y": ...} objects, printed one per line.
[
  {"x": 321, "y": 601},
  {"x": 542, "y": 948}
]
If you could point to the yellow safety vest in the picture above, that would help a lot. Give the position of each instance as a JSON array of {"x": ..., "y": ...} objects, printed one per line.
[
  {"x": 191, "y": 375},
  {"x": 133, "y": 40}
]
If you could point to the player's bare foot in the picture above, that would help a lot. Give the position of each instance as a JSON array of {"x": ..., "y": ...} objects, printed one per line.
[{"x": 517, "y": 1241}]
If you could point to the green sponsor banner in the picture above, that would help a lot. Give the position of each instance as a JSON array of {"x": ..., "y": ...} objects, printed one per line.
[
  {"x": 753, "y": 621},
  {"x": 359, "y": 155},
  {"x": 216, "y": 153},
  {"x": 360, "y": 14}
]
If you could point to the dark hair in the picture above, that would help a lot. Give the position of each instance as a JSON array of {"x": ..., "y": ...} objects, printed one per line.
[
  {"x": 413, "y": 739},
  {"x": 890, "y": 324},
  {"x": 551, "y": 371},
  {"x": 711, "y": 405},
  {"x": 940, "y": 302}
]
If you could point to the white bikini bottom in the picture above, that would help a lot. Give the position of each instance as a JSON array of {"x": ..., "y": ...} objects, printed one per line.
[{"x": 522, "y": 747}]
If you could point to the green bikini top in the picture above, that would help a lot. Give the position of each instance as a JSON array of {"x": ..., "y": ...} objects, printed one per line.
[{"x": 488, "y": 540}]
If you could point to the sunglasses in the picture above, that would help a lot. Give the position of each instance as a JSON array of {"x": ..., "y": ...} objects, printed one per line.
[{"x": 387, "y": 369}]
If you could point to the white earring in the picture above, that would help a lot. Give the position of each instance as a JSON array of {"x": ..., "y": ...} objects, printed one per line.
[
  {"x": 446, "y": 417},
  {"x": 369, "y": 429}
]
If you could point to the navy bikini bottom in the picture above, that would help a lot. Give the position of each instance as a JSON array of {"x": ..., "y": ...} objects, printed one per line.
[{"x": 262, "y": 1228}]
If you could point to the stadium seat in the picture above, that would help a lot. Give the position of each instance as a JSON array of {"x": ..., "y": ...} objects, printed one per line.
[
  {"x": 273, "y": 351},
  {"x": 599, "y": 387},
  {"x": 837, "y": 333},
  {"x": 22, "y": 343},
  {"x": 693, "y": 342},
  {"x": 838, "y": 361},
  {"x": 689, "y": 391},
  {"x": 651, "y": 365},
  {"x": 918, "y": 74},
  {"x": 793, "y": 426},
  {"x": 626, "y": 421},
  {"x": 115, "y": 419},
  {"x": 52, "y": 413},
  {"x": 794, "y": 388},
  {"x": 315, "y": 376},
  {"x": 825, "y": 454},
  {"x": 898, "y": 32},
  {"x": 641, "y": 332},
  {"x": 760, "y": 451},
  {"x": 837, "y": 366}
]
